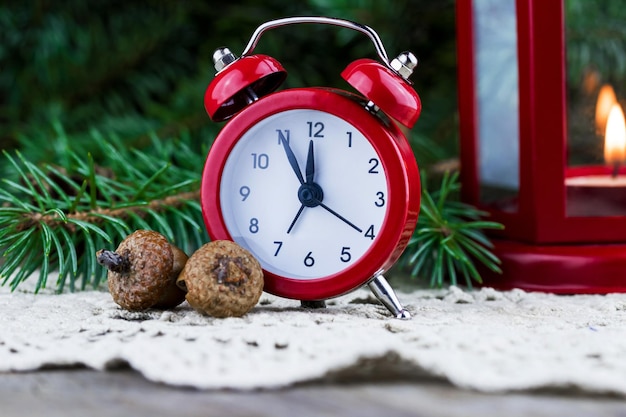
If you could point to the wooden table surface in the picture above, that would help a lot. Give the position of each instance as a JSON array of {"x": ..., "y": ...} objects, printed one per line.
[{"x": 85, "y": 393}]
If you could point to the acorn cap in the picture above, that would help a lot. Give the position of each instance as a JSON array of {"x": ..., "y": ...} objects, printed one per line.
[
  {"x": 222, "y": 279},
  {"x": 143, "y": 271}
]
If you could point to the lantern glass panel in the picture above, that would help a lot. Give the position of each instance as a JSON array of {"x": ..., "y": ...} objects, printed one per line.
[
  {"x": 495, "y": 44},
  {"x": 595, "y": 179}
]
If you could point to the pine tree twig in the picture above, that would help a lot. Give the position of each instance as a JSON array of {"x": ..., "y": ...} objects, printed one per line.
[
  {"x": 449, "y": 238},
  {"x": 99, "y": 215},
  {"x": 56, "y": 217}
]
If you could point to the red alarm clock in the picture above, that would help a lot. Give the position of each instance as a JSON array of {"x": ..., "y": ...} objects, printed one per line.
[{"x": 319, "y": 184}]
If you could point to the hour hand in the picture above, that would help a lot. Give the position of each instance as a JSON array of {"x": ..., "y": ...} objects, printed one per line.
[
  {"x": 291, "y": 158},
  {"x": 340, "y": 217}
]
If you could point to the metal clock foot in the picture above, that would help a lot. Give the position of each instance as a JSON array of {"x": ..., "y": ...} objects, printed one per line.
[
  {"x": 383, "y": 291},
  {"x": 313, "y": 304}
]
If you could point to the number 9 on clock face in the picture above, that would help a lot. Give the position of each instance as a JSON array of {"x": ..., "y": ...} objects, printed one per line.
[{"x": 305, "y": 192}]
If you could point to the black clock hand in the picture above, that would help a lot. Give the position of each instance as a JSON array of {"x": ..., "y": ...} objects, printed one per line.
[
  {"x": 310, "y": 164},
  {"x": 295, "y": 219},
  {"x": 292, "y": 159},
  {"x": 339, "y": 216}
]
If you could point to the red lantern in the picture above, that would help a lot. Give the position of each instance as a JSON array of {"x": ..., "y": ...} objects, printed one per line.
[{"x": 532, "y": 148}]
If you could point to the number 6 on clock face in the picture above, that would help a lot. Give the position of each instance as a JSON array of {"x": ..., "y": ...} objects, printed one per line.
[{"x": 315, "y": 187}]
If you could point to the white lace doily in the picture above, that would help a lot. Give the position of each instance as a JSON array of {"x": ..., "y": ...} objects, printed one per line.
[{"x": 484, "y": 340}]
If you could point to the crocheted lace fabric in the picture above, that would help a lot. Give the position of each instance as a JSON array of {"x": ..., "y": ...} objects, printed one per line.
[{"x": 484, "y": 340}]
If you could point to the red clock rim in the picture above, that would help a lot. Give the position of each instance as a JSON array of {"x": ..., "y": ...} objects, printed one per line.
[{"x": 396, "y": 157}]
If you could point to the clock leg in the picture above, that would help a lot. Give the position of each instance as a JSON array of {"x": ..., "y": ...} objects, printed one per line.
[
  {"x": 313, "y": 304},
  {"x": 383, "y": 291}
]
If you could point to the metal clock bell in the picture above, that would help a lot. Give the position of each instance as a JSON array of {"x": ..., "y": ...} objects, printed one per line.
[{"x": 319, "y": 184}]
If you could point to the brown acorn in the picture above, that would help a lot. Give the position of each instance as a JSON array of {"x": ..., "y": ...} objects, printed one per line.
[
  {"x": 222, "y": 279},
  {"x": 143, "y": 271}
]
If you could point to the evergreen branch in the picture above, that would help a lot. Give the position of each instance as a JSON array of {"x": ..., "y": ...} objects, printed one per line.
[
  {"x": 55, "y": 218},
  {"x": 449, "y": 239},
  {"x": 99, "y": 215}
]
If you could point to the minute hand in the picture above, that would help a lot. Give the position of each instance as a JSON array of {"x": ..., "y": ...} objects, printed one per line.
[
  {"x": 310, "y": 165},
  {"x": 292, "y": 159}
]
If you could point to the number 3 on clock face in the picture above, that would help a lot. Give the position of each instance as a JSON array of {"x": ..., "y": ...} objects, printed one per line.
[{"x": 319, "y": 195}]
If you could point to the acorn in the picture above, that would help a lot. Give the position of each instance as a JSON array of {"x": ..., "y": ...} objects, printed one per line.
[
  {"x": 222, "y": 279},
  {"x": 143, "y": 271}
]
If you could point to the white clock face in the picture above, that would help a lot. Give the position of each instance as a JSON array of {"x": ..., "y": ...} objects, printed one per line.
[{"x": 305, "y": 192}]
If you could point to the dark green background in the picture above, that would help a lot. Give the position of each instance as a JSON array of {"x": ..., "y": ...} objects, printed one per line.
[{"x": 132, "y": 67}]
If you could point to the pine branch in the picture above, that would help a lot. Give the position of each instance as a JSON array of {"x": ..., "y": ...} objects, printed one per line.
[
  {"x": 449, "y": 239},
  {"x": 55, "y": 218},
  {"x": 99, "y": 215}
]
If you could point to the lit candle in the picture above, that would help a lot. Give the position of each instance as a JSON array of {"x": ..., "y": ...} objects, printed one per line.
[
  {"x": 615, "y": 139},
  {"x": 593, "y": 190}
]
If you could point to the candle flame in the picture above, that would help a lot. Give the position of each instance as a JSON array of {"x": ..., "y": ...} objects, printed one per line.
[
  {"x": 606, "y": 100},
  {"x": 615, "y": 137}
]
